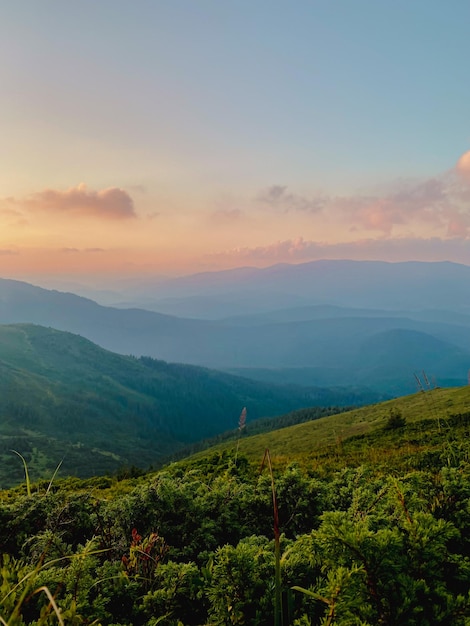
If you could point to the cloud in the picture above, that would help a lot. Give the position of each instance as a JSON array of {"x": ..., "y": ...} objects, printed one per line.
[
  {"x": 427, "y": 201},
  {"x": 295, "y": 249},
  {"x": 10, "y": 212},
  {"x": 112, "y": 203},
  {"x": 277, "y": 197},
  {"x": 440, "y": 203},
  {"x": 11, "y": 217},
  {"x": 79, "y": 251},
  {"x": 224, "y": 216},
  {"x": 7, "y": 252},
  {"x": 372, "y": 214},
  {"x": 456, "y": 249},
  {"x": 458, "y": 224},
  {"x": 463, "y": 166},
  {"x": 420, "y": 195},
  {"x": 287, "y": 250}
]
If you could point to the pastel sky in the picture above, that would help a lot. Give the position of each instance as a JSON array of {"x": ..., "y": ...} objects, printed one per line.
[{"x": 168, "y": 137}]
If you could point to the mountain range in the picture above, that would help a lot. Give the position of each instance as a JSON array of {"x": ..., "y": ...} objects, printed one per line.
[
  {"x": 339, "y": 323},
  {"x": 407, "y": 285}
]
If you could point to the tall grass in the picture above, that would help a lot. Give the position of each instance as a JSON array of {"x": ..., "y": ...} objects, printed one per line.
[
  {"x": 21, "y": 592},
  {"x": 53, "y": 476},
  {"x": 241, "y": 427},
  {"x": 278, "y": 614},
  {"x": 20, "y": 585},
  {"x": 429, "y": 397},
  {"x": 26, "y": 473},
  {"x": 27, "y": 478}
]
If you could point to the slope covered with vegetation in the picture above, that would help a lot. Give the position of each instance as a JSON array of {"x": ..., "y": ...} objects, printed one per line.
[
  {"x": 362, "y": 433},
  {"x": 62, "y": 396},
  {"x": 365, "y": 520}
]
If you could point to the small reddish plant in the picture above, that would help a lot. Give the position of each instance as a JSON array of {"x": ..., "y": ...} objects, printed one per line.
[{"x": 145, "y": 554}]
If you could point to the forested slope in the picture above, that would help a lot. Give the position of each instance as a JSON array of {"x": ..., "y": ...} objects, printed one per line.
[{"x": 62, "y": 397}]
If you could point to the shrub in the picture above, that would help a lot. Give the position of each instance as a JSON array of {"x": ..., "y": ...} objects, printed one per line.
[{"x": 395, "y": 420}]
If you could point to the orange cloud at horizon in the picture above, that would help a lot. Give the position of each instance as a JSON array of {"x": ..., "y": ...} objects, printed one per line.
[
  {"x": 110, "y": 203},
  {"x": 95, "y": 265},
  {"x": 455, "y": 249},
  {"x": 463, "y": 165},
  {"x": 80, "y": 231}
]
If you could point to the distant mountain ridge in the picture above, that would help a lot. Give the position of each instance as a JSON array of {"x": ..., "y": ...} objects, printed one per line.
[
  {"x": 347, "y": 307},
  {"x": 361, "y": 284}
]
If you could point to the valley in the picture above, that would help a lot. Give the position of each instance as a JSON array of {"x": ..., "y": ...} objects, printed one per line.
[{"x": 132, "y": 493}]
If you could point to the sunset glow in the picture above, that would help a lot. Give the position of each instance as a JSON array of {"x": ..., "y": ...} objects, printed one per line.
[{"x": 169, "y": 138}]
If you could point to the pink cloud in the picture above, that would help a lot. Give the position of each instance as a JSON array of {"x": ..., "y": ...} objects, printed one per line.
[
  {"x": 456, "y": 249},
  {"x": 112, "y": 203},
  {"x": 433, "y": 201},
  {"x": 378, "y": 214},
  {"x": 12, "y": 217},
  {"x": 463, "y": 165},
  {"x": 79, "y": 251},
  {"x": 438, "y": 202},
  {"x": 287, "y": 250},
  {"x": 458, "y": 224}
]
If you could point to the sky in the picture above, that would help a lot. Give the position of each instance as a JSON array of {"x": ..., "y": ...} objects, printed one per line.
[{"x": 162, "y": 138}]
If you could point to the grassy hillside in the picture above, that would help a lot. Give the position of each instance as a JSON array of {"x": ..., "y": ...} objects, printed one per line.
[
  {"x": 432, "y": 418},
  {"x": 370, "y": 525},
  {"x": 61, "y": 396}
]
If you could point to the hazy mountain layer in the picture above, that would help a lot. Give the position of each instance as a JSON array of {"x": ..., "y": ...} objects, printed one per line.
[
  {"x": 419, "y": 320},
  {"x": 395, "y": 361},
  {"x": 360, "y": 284}
]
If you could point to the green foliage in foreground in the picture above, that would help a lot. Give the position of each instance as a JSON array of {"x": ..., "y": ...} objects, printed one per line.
[{"x": 366, "y": 539}]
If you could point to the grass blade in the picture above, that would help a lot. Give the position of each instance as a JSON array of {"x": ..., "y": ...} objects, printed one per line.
[
  {"x": 26, "y": 473},
  {"x": 53, "y": 476}
]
